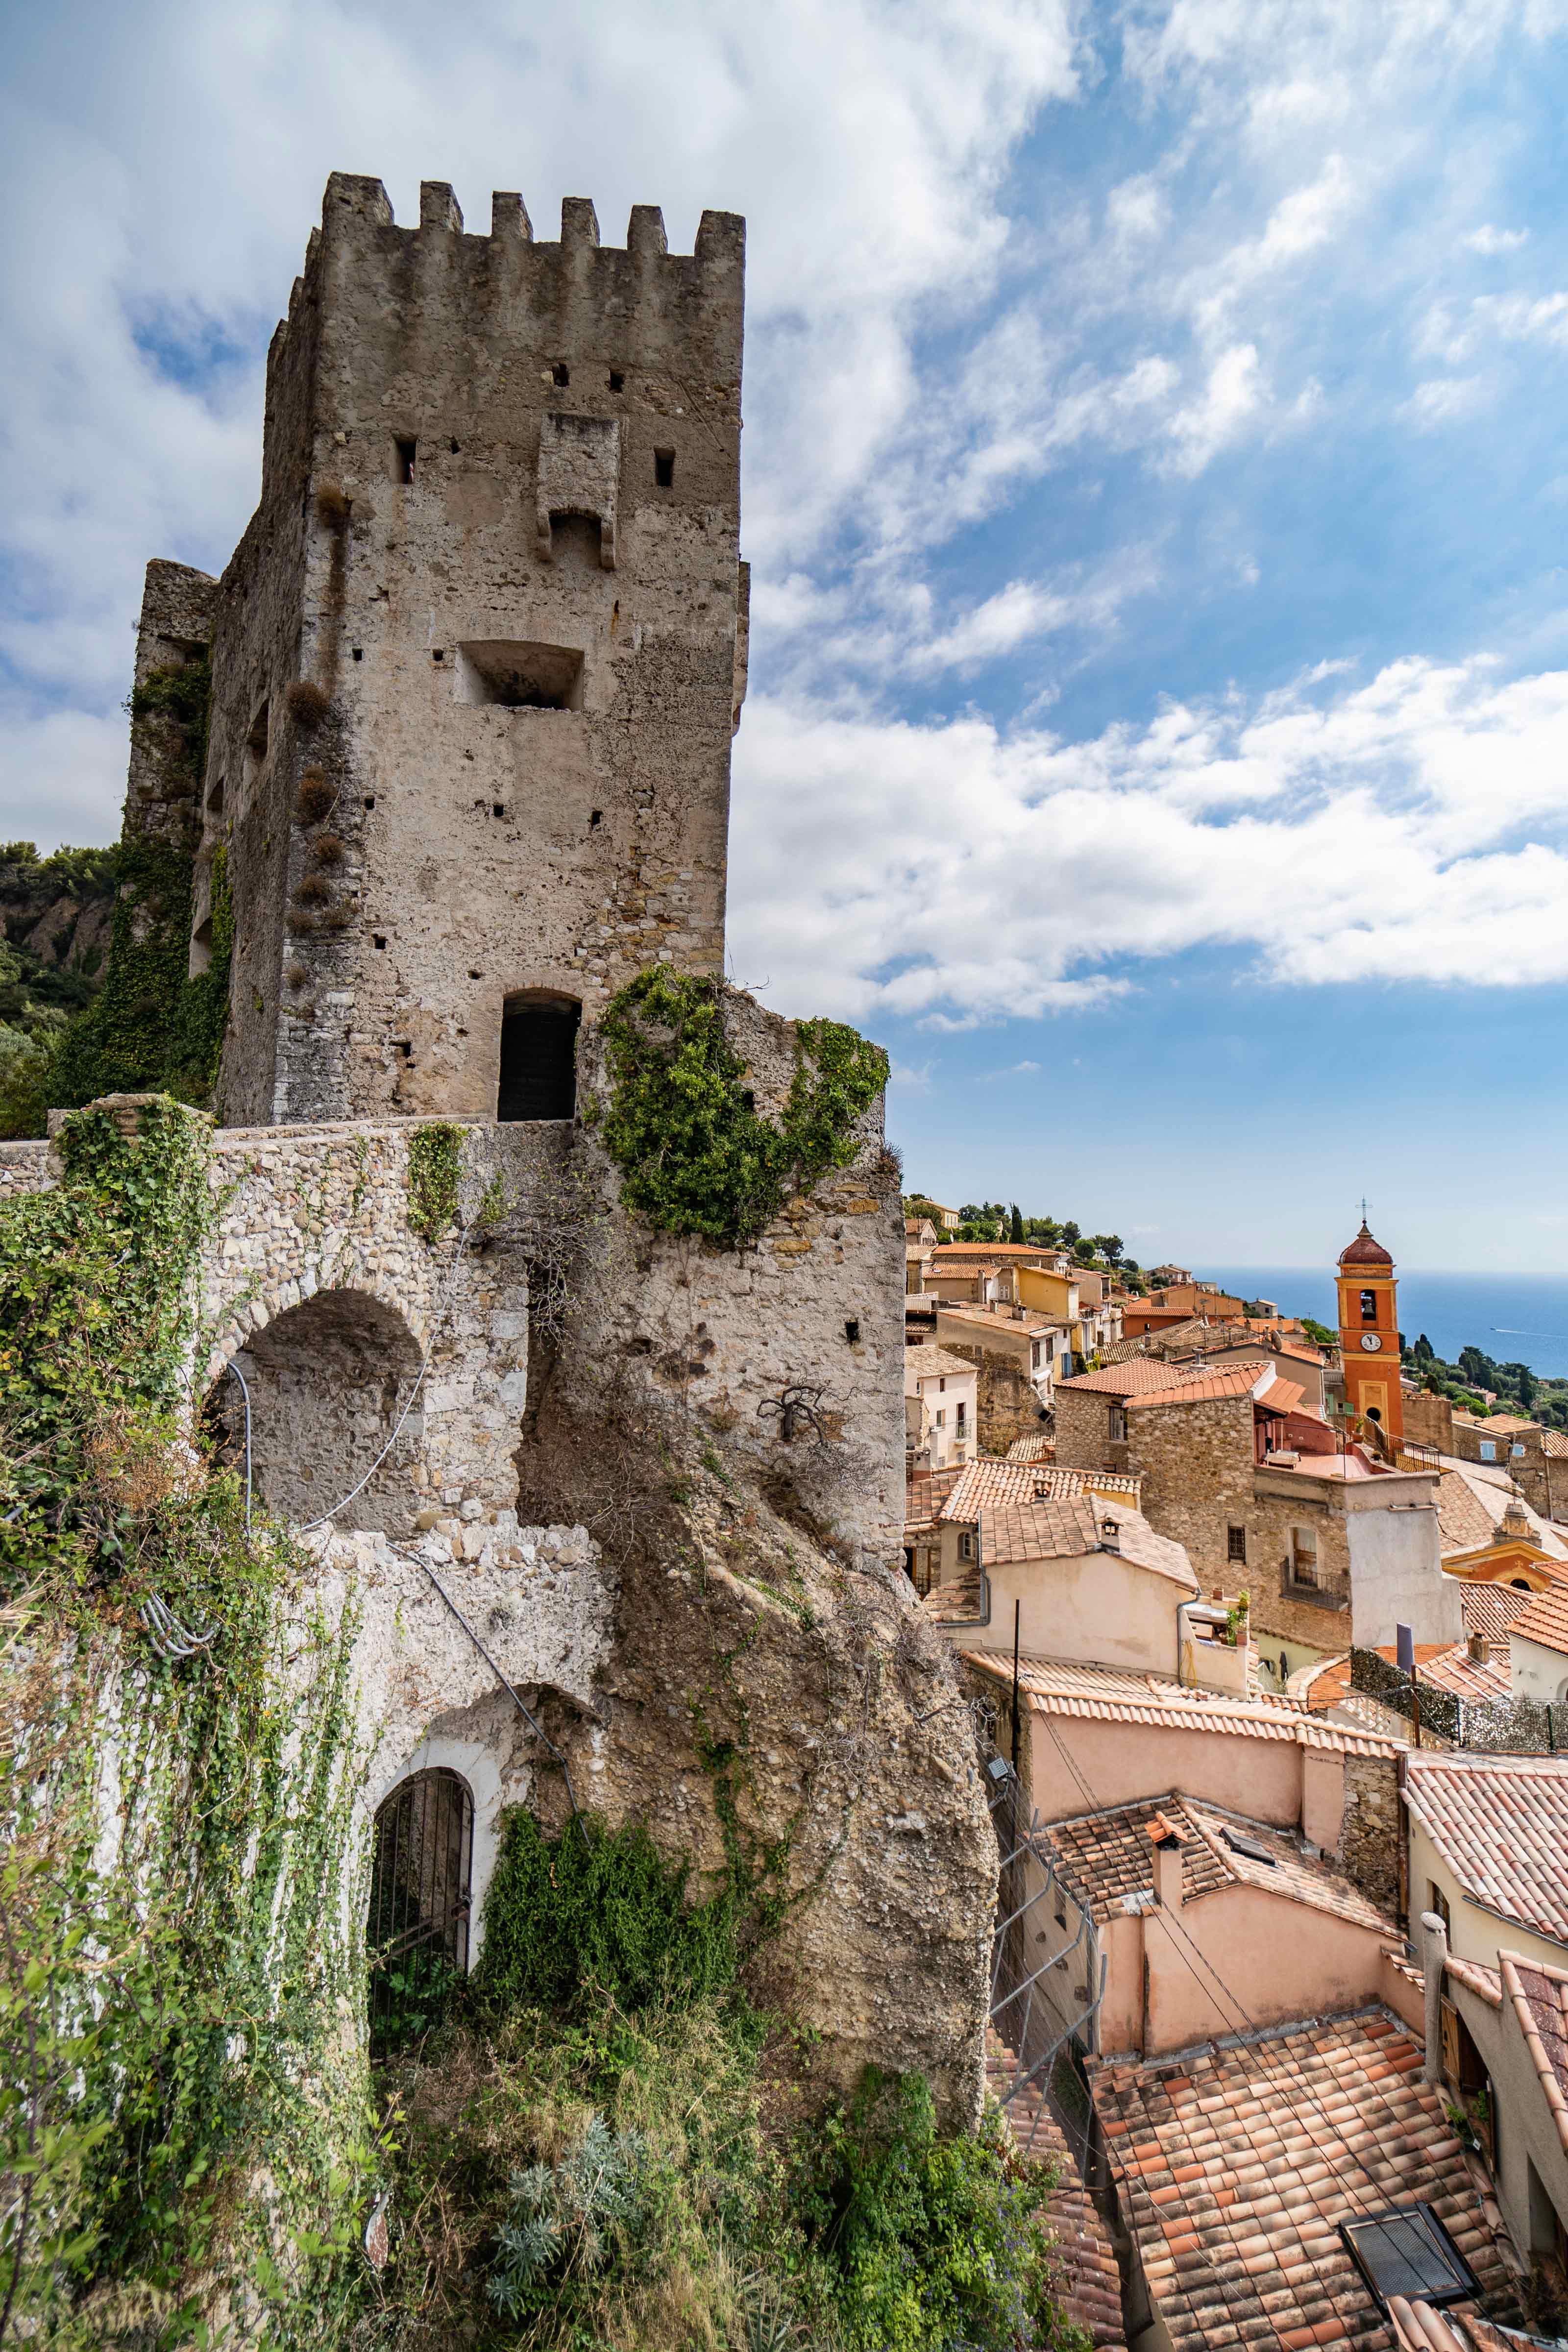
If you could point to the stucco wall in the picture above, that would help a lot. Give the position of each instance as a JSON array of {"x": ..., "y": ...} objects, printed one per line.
[
  {"x": 1278, "y": 1960},
  {"x": 1536, "y": 1671},
  {"x": 1396, "y": 1568},
  {"x": 1473, "y": 1933},
  {"x": 1096, "y": 1610}
]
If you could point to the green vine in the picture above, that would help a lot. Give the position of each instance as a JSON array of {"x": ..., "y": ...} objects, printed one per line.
[
  {"x": 434, "y": 1166},
  {"x": 154, "y": 1026},
  {"x": 695, "y": 1156},
  {"x": 176, "y": 1961}
]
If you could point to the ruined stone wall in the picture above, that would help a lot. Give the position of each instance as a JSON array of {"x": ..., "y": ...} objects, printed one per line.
[
  {"x": 1005, "y": 1404},
  {"x": 1372, "y": 1827},
  {"x": 499, "y": 474},
  {"x": 176, "y": 628}
]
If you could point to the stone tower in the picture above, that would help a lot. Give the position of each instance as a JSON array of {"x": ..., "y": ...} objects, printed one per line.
[{"x": 478, "y": 658}]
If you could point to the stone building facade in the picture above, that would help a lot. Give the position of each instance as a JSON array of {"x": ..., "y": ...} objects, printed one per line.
[
  {"x": 480, "y": 655},
  {"x": 476, "y": 667}
]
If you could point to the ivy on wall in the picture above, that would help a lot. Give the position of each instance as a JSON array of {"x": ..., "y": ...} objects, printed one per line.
[
  {"x": 695, "y": 1156},
  {"x": 434, "y": 1166},
  {"x": 182, "y": 2107},
  {"x": 152, "y": 1026}
]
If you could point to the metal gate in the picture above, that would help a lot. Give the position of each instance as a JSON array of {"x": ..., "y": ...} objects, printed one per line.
[{"x": 416, "y": 1934}]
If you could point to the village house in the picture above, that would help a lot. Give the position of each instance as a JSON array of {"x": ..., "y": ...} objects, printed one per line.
[
  {"x": 1207, "y": 1916},
  {"x": 1019, "y": 1357},
  {"x": 1537, "y": 1653},
  {"x": 1260, "y": 1493},
  {"x": 941, "y": 1388},
  {"x": 1535, "y": 1457},
  {"x": 1488, "y": 1835}
]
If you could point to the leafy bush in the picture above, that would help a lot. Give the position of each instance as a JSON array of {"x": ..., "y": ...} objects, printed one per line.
[
  {"x": 694, "y": 1155},
  {"x": 921, "y": 2242},
  {"x": 559, "y": 2216},
  {"x": 600, "y": 1912}
]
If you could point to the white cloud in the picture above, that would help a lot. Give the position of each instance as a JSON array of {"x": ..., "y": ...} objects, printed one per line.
[
  {"x": 1445, "y": 400},
  {"x": 1489, "y": 240},
  {"x": 977, "y": 876},
  {"x": 1233, "y": 392}
]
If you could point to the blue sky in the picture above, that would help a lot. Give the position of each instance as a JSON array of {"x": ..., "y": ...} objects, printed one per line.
[{"x": 1157, "y": 493}]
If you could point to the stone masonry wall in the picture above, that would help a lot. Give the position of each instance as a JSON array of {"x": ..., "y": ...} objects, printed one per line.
[
  {"x": 497, "y": 473},
  {"x": 1005, "y": 1404},
  {"x": 1372, "y": 1828}
]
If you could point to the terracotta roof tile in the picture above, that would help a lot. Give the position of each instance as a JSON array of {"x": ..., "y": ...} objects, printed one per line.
[
  {"x": 925, "y": 1491},
  {"x": 1015, "y": 1532},
  {"x": 1032, "y": 1449},
  {"x": 1235, "y": 2166},
  {"x": 1106, "y": 1856},
  {"x": 987, "y": 1486},
  {"x": 1444, "y": 1665},
  {"x": 1116, "y": 1695},
  {"x": 1545, "y": 1619},
  {"x": 1364, "y": 1251},
  {"x": 1484, "y": 1982},
  {"x": 1501, "y": 1826},
  {"x": 1491, "y": 1608},
  {"x": 1540, "y": 1999},
  {"x": 1086, "y": 2282},
  {"x": 927, "y": 1363},
  {"x": 1141, "y": 1373}
]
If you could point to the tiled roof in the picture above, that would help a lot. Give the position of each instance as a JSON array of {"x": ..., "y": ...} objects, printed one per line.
[
  {"x": 1472, "y": 1498},
  {"x": 994, "y": 1319},
  {"x": 1237, "y": 2165},
  {"x": 929, "y": 1362},
  {"x": 925, "y": 1491},
  {"x": 1445, "y": 1665},
  {"x": 1364, "y": 1251},
  {"x": 1116, "y": 1695},
  {"x": 1539, "y": 1997},
  {"x": 1032, "y": 1449},
  {"x": 1141, "y": 1373},
  {"x": 1085, "y": 2281},
  {"x": 1553, "y": 1442},
  {"x": 1136, "y": 1540},
  {"x": 1108, "y": 1856},
  {"x": 1501, "y": 1826},
  {"x": 1545, "y": 1619},
  {"x": 1037, "y": 1253},
  {"x": 1014, "y": 1532},
  {"x": 1491, "y": 1608},
  {"x": 1484, "y": 1982},
  {"x": 986, "y": 1485},
  {"x": 1225, "y": 1380}
]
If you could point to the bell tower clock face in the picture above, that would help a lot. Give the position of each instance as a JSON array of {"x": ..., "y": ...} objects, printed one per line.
[{"x": 1371, "y": 1342}]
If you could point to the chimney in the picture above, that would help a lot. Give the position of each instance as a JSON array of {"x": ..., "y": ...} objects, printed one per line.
[
  {"x": 1434, "y": 1958},
  {"x": 1168, "y": 1843},
  {"x": 1476, "y": 1649}
]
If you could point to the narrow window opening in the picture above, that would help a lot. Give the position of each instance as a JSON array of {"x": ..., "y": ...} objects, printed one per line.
[
  {"x": 370, "y": 800},
  {"x": 498, "y": 808},
  {"x": 476, "y": 975},
  {"x": 379, "y": 941},
  {"x": 595, "y": 816},
  {"x": 617, "y": 380},
  {"x": 663, "y": 468},
  {"x": 215, "y": 797},
  {"x": 538, "y": 1057},
  {"x": 748, "y": 1100},
  {"x": 438, "y": 654},
  {"x": 416, "y": 1931},
  {"x": 1235, "y": 1545},
  {"x": 560, "y": 375},
  {"x": 1369, "y": 1307},
  {"x": 406, "y": 453},
  {"x": 358, "y": 652},
  {"x": 456, "y": 451},
  {"x": 852, "y": 1331},
  {"x": 403, "y": 1046}
]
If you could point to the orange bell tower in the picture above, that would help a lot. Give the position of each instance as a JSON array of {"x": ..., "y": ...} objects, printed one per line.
[{"x": 1369, "y": 1333}]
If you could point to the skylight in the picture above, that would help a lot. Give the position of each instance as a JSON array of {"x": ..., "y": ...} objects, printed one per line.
[
  {"x": 1407, "y": 2251},
  {"x": 1249, "y": 1847}
]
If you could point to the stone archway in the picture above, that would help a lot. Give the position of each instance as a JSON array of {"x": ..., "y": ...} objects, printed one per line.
[{"x": 328, "y": 1379}]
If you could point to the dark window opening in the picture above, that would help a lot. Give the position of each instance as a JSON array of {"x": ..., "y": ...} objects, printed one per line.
[
  {"x": 1373, "y": 1412},
  {"x": 595, "y": 816},
  {"x": 379, "y": 941},
  {"x": 456, "y": 451},
  {"x": 748, "y": 1100},
  {"x": 438, "y": 654},
  {"x": 416, "y": 1931},
  {"x": 403, "y": 1046},
  {"x": 520, "y": 675},
  {"x": 852, "y": 1331},
  {"x": 1236, "y": 1544},
  {"x": 476, "y": 975},
  {"x": 538, "y": 1057},
  {"x": 1409, "y": 2251},
  {"x": 560, "y": 375},
  {"x": 1369, "y": 1307},
  {"x": 370, "y": 800},
  {"x": 663, "y": 468},
  {"x": 358, "y": 652},
  {"x": 617, "y": 380},
  {"x": 406, "y": 453},
  {"x": 498, "y": 808},
  {"x": 215, "y": 797}
]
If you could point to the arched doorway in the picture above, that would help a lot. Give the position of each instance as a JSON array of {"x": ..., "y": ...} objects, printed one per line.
[
  {"x": 416, "y": 1929},
  {"x": 328, "y": 1380},
  {"x": 538, "y": 1057}
]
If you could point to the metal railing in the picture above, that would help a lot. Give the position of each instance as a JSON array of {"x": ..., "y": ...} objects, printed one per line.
[{"x": 1043, "y": 2011}]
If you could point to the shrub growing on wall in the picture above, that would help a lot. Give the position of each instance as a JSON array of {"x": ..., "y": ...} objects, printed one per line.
[{"x": 695, "y": 1156}]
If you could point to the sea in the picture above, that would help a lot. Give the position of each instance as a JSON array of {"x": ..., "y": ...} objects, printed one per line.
[{"x": 1517, "y": 1319}]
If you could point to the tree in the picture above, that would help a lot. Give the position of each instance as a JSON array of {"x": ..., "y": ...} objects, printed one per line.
[
  {"x": 1108, "y": 1246},
  {"x": 1016, "y": 1227},
  {"x": 1318, "y": 1333},
  {"x": 1477, "y": 1369},
  {"x": 1423, "y": 1351},
  {"x": 1070, "y": 1233}
]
